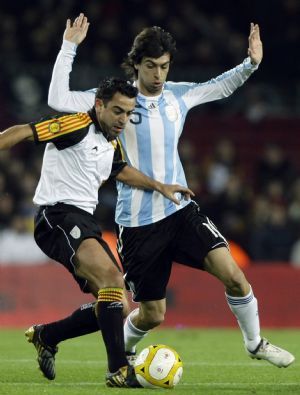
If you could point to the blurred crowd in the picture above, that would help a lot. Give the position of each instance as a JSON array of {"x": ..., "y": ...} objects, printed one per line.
[
  {"x": 211, "y": 37},
  {"x": 263, "y": 214}
]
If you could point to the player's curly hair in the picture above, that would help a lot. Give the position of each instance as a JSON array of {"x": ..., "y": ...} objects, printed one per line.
[
  {"x": 152, "y": 42},
  {"x": 111, "y": 85}
]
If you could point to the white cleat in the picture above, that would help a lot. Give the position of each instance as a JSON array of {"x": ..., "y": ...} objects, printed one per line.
[{"x": 273, "y": 354}]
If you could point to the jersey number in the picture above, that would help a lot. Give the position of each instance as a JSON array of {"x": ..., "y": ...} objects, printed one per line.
[{"x": 136, "y": 118}]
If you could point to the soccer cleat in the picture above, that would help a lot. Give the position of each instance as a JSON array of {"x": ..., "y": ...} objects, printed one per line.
[
  {"x": 131, "y": 357},
  {"x": 273, "y": 354},
  {"x": 46, "y": 353},
  {"x": 124, "y": 377}
]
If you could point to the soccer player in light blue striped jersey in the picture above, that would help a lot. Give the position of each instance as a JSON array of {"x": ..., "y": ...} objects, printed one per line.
[{"x": 154, "y": 232}]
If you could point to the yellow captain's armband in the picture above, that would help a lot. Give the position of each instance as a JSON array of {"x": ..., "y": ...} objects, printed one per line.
[{"x": 56, "y": 127}]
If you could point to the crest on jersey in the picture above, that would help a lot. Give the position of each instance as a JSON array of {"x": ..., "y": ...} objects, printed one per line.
[
  {"x": 171, "y": 113},
  {"x": 54, "y": 127},
  {"x": 75, "y": 232}
]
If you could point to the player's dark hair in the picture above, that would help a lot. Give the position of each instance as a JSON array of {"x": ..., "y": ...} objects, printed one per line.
[
  {"x": 110, "y": 86},
  {"x": 151, "y": 42}
]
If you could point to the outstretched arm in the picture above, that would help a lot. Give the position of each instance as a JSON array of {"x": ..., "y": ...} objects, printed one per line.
[
  {"x": 255, "y": 49},
  {"x": 131, "y": 176},
  {"x": 60, "y": 97},
  {"x": 14, "y": 135},
  {"x": 225, "y": 84}
]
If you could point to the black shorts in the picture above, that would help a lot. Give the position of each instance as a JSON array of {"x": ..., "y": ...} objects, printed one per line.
[
  {"x": 59, "y": 231},
  {"x": 147, "y": 252}
]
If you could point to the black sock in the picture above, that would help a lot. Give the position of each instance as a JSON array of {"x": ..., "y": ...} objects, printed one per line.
[
  {"x": 110, "y": 318},
  {"x": 81, "y": 322}
]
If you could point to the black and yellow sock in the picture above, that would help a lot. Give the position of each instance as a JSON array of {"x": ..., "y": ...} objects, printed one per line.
[
  {"x": 81, "y": 322},
  {"x": 110, "y": 318}
]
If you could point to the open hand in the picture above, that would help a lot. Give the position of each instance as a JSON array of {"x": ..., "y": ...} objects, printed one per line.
[
  {"x": 77, "y": 31},
  {"x": 255, "y": 50}
]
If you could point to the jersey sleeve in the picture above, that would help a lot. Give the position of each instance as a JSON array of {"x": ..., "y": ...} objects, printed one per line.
[
  {"x": 217, "y": 88},
  {"x": 60, "y": 97},
  {"x": 64, "y": 131},
  {"x": 119, "y": 161}
]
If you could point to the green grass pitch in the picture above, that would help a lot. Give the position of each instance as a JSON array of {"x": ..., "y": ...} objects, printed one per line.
[{"x": 214, "y": 362}]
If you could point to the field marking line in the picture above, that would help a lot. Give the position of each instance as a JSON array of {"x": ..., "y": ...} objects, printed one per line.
[
  {"x": 104, "y": 362},
  {"x": 83, "y": 383}
]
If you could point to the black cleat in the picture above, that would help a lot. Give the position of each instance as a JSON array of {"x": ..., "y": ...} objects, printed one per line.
[
  {"x": 124, "y": 377},
  {"x": 46, "y": 353}
]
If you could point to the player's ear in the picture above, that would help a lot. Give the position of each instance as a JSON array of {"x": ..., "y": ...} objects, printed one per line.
[{"x": 99, "y": 103}]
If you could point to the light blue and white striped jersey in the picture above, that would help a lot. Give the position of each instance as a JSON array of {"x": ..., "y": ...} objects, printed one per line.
[{"x": 150, "y": 139}]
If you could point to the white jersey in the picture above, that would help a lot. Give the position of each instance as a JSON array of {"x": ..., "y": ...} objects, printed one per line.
[
  {"x": 77, "y": 160},
  {"x": 150, "y": 139}
]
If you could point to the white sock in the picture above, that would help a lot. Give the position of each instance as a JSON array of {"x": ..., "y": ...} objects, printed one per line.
[
  {"x": 132, "y": 335},
  {"x": 246, "y": 311}
]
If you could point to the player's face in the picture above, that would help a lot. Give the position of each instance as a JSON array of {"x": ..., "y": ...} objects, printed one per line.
[
  {"x": 152, "y": 73},
  {"x": 113, "y": 116}
]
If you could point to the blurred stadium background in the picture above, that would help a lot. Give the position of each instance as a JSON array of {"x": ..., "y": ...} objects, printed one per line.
[{"x": 241, "y": 154}]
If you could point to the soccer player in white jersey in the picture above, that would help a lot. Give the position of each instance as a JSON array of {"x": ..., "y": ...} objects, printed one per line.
[
  {"x": 82, "y": 151},
  {"x": 154, "y": 232}
]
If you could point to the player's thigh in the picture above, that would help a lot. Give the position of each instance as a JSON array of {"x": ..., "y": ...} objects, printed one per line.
[
  {"x": 96, "y": 265},
  {"x": 220, "y": 263},
  {"x": 197, "y": 237}
]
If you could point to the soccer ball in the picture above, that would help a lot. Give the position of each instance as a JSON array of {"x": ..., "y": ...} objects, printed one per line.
[{"x": 158, "y": 366}]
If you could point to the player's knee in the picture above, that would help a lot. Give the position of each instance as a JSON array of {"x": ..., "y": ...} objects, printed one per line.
[
  {"x": 105, "y": 277},
  {"x": 236, "y": 283},
  {"x": 154, "y": 319}
]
